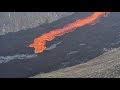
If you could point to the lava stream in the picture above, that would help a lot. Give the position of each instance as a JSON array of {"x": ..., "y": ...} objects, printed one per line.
[{"x": 39, "y": 43}]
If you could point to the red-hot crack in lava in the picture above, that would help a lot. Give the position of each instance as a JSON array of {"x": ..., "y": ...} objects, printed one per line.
[{"x": 39, "y": 43}]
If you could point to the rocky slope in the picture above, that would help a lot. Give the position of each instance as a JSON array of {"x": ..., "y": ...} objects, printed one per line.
[
  {"x": 16, "y": 21},
  {"x": 104, "y": 66},
  {"x": 81, "y": 46}
]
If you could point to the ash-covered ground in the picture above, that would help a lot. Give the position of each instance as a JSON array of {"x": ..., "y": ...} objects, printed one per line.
[{"x": 80, "y": 46}]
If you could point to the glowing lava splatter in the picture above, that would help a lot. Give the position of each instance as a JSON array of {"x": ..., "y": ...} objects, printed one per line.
[{"x": 39, "y": 43}]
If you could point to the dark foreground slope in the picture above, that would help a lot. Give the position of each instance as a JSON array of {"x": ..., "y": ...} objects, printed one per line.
[
  {"x": 77, "y": 47},
  {"x": 104, "y": 66}
]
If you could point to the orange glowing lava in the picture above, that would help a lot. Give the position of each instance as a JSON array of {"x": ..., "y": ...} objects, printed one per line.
[{"x": 39, "y": 43}]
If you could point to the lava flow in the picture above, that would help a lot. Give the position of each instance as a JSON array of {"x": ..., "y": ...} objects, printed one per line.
[{"x": 39, "y": 43}]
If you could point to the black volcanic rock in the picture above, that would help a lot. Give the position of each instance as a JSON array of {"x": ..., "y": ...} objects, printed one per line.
[{"x": 98, "y": 38}]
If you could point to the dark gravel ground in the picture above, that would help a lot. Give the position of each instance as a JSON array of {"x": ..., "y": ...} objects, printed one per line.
[{"x": 104, "y": 66}]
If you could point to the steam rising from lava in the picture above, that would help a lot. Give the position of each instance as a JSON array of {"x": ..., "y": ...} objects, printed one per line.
[{"x": 39, "y": 43}]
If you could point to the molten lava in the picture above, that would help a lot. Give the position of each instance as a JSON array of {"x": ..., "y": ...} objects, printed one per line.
[{"x": 39, "y": 43}]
